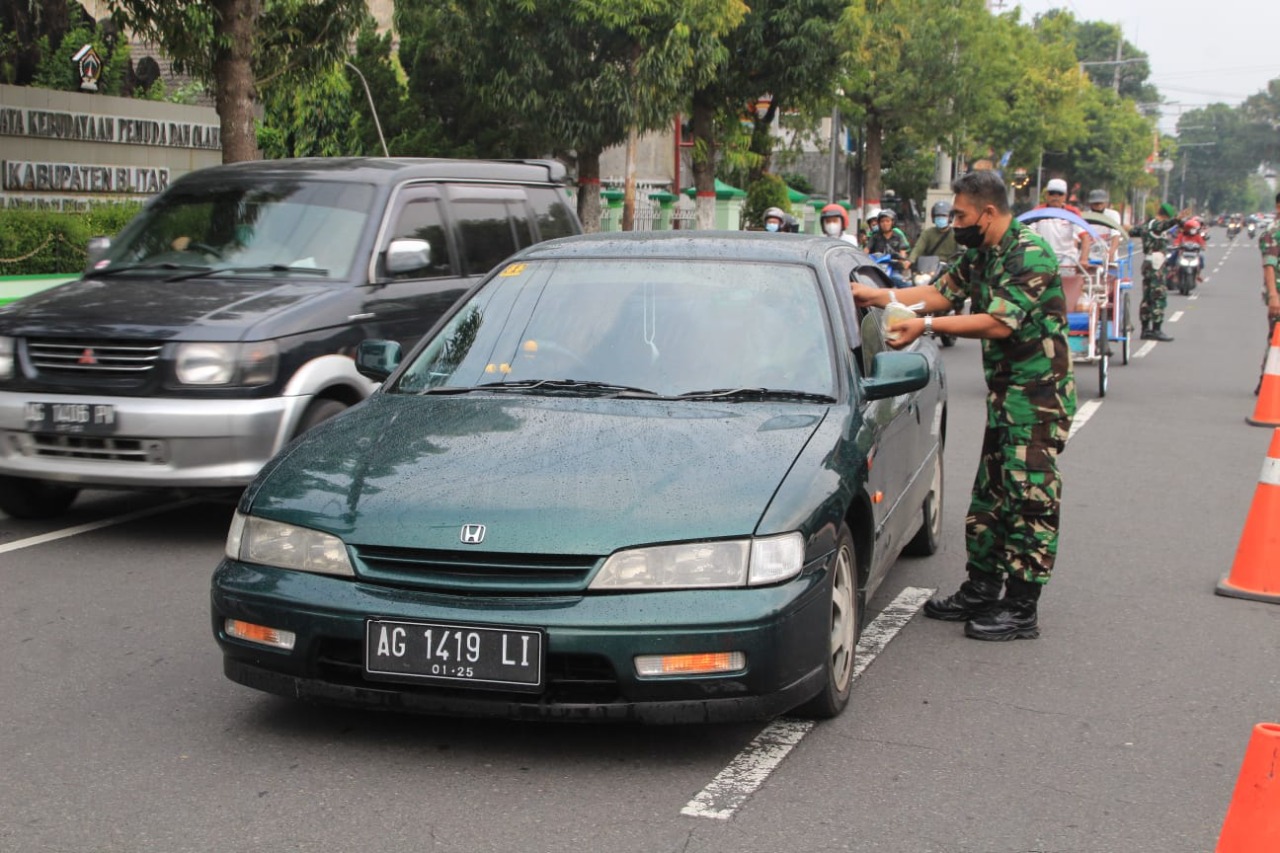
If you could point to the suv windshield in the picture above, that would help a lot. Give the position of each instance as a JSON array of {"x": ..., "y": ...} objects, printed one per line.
[
  {"x": 282, "y": 223},
  {"x": 669, "y": 327}
]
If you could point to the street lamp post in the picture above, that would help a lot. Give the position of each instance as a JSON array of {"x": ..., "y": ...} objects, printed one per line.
[{"x": 372, "y": 108}]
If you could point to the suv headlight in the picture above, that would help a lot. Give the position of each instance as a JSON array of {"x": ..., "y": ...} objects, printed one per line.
[
  {"x": 209, "y": 363},
  {"x": 6, "y": 358},
  {"x": 699, "y": 565},
  {"x": 286, "y": 546}
]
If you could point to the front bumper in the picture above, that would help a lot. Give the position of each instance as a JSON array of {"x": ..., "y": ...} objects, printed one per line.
[
  {"x": 158, "y": 442},
  {"x": 591, "y": 643}
]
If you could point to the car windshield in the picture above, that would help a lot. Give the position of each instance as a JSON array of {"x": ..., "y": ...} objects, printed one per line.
[
  {"x": 269, "y": 227},
  {"x": 668, "y": 327}
]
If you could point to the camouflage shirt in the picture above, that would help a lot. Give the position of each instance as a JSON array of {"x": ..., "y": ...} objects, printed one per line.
[
  {"x": 1154, "y": 233},
  {"x": 1029, "y": 376},
  {"x": 1269, "y": 243}
]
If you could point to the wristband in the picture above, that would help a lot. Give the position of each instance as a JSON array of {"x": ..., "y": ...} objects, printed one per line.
[{"x": 928, "y": 325}]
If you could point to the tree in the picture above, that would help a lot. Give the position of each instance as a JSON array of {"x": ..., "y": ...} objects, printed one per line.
[
  {"x": 571, "y": 77},
  {"x": 242, "y": 46},
  {"x": 783, "y": 49}
]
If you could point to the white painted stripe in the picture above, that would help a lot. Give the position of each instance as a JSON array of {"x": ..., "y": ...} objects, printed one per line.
[
  {"x": 1176, "y": 316},
  {"x": 1192, "y": 298},
  {"x": 68, "y": 532},
  {"x": 750, "y": 768},
  {"x": 1273, "y": 361},
  {"x": 1083, "y": 414},
  {"x": 1144, "y": 349},
  {"x": 1270, "y": 472}
]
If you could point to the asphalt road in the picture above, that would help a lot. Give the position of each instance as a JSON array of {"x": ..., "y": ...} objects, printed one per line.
[{"x": 1122, "y": 729}]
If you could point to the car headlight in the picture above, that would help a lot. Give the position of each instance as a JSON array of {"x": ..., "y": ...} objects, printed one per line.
[
  {"x": 286, "y": 546},
  {"x": 698, "y": 565},
  {"x": 6, "y": 358},
  {"x": 209, "y": 363}
]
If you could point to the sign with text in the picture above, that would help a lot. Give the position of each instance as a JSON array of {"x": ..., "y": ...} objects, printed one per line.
[{"x": 88, "y": 127}]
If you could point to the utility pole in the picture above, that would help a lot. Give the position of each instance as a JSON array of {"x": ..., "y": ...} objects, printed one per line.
[{"x": 1115, "y": 77}]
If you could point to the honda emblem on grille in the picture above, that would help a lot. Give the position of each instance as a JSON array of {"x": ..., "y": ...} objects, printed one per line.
[
  {"x": 472, "y": 534},
  {"x": 87, "y": 357}
]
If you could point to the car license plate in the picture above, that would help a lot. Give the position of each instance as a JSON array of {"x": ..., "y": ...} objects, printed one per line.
[
  {"x": 78, "y": 418},
  {"x": 472, "y": 655}
]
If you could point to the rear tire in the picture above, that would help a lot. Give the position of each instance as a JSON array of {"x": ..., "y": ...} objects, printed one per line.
[
  {"x": 929, "y": 538},
  {"x": 22, "y": 497},
  {"x": 845, "y": 627}
]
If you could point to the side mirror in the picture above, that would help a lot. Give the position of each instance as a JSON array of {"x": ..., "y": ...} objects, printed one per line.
[
  {"x": 407, "y": 254},
  {"x": 894, "y": 373},
  {"x": 375, "y": 359},
  {"x": 97, "y": 248}
]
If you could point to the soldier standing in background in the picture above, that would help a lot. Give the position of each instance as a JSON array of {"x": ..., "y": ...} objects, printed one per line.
[{"x": 1155, "y": 244}]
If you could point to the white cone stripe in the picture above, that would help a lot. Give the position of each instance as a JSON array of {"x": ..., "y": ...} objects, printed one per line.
[
  {"x": 1270, "y": 475},
  {"x": 1273, "y": 362},
  {"x": 750, "y": 768}
]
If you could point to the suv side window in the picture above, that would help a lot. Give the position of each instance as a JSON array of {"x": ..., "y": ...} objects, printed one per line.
[
  {"x": 421, "y": 217},
  {"x": 486, "y": 227},
  {"x": 553, "y": 217}
]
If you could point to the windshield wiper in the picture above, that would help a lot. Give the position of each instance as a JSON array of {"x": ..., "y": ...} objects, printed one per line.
[
  {"x": 208, "y": 272},
  {"x": 572, "y": 385},
  {"x": 756, "y": 394},
  {"x": 107, "y": 272}
]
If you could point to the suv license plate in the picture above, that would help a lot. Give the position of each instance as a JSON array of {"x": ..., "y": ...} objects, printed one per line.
[
  {"x": 77, "y": 418},
  {"x": 473, "y": 655}
]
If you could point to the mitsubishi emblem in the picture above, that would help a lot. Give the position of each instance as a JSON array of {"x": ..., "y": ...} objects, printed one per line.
[
  {"x": 87, "y": 357},
  {"x": 472, "y": 534}
]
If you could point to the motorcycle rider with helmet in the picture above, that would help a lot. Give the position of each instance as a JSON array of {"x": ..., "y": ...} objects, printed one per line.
[
  {"x": 774, "y": 218},
  {"x": 889, "y": 240},
  {"x": 834, "y": 220},
  {"x": 1191, "y": 232},
  {"x": 936, "y": 239}
]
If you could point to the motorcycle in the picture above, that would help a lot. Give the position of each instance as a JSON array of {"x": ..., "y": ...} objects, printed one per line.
[
  {"x": 1232, "y": 230},
  {"x": 1186, "y": 267},
  {"x": 1252, "y": 229}
]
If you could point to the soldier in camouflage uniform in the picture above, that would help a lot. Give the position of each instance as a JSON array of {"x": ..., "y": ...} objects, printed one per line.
[
  {"x": 1019, "y": 312},
  {"x": 1155, "y": 247},
  {"x": 1269, "y": 243}
]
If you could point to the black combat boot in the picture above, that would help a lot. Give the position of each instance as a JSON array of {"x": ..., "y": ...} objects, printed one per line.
[
  {"x": 975, "y": 597},
  {"x": 1158, "y": 335},
  {"x": 1014, "y": 617},
  {"x": 1146, "y": 332}
]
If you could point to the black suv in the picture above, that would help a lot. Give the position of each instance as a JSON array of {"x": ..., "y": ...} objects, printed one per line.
[{"x": 223, "y": 320}]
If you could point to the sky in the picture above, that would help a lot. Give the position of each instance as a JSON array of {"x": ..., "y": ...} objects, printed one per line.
[{"x": 1220, "y": 51}]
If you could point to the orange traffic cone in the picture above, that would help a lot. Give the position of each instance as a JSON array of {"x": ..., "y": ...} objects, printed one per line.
[
  {"x": 1253, "y": 818},
  {"x": 1267, "y": 410},
  {"x": 1255, "y": 574}
]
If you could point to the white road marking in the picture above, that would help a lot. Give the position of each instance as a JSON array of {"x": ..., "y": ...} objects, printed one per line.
[
  {"x": 1083, "y": 414},
  {"x": 1176, "y": 316},
  {"x": 1192, "y": 298},
  {"x": 68, "y": 532},
  {"x": 750, "y": 768},
  {"x": 1144, "y": 349}
]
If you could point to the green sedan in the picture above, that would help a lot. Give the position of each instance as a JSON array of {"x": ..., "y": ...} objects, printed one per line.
[{"x": 645, "y": 477}]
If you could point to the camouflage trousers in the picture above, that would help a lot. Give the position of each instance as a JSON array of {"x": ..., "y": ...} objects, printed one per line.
[
  {"x": 1012, "y": 525},
  {"x": 1155, "y": 296}
]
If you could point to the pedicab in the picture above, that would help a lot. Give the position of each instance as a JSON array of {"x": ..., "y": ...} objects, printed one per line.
[{"x": 1097, "y": 302}]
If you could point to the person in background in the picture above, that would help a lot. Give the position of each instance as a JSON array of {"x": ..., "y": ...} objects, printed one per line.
[
  {"x": 1155, "y": 245},
  {"x": 1098, "y": 200},
  {"x": 889, "y": 240},
  {"x": 1019, "y": 313},
  {"x": 1070, "y": 242},
  {"x": 774, "y": 218},
  {"x": 936, "y": 240},
  {"x": 834, "y": 221},
  {"x": 1269, "y": 243}
]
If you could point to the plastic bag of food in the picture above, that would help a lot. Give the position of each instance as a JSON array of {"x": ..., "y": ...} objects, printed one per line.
[{"x": 894, "y": 312}]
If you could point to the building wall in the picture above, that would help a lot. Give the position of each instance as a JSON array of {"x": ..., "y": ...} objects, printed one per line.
[{"x": 63, "y": 150}]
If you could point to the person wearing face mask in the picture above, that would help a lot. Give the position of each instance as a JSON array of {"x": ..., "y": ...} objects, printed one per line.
[
  {"x": 936, "y": 240},
  {"x": 774, "y": 218},
  {"x": 834, "y": 220},
  {"x": 889, "y": 240},
  {"x": 1019, "y": 312}
]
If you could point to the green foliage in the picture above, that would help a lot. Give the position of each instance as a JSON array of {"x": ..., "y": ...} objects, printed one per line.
[
  {"x": 799, "y": 183},
  {"x": 311, "y": 119},
  {"x": 56, "y": 242},
  {"x": 55, "y": 69},
  {"x": 766, "y": 192}
]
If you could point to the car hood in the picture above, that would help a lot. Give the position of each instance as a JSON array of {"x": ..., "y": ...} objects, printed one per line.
[
  {"x": 204, "y": 307},
  {"x": 543, "y": 474}
]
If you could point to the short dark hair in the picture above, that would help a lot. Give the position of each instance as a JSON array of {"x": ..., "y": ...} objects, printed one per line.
[{"x": 984, "y": 187}]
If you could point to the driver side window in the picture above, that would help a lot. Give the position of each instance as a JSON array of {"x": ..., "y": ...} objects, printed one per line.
[{"x": 870, "y": 319}]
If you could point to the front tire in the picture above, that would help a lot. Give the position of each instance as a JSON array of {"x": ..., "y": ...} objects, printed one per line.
[
  {"x": 320, "y": 410},
  {"x": 845, "y": 627},
  {"x": 22, "y": 497}
]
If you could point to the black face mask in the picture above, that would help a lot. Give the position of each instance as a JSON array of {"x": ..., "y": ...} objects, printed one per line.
[{"x": 970, "y": 236}]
